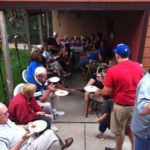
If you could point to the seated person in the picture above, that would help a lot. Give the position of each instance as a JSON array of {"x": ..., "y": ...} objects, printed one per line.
[
  {"x": 15, "y": 137},
  {"x": 45, "y": 94},
  {"x": 23, "y": 107},
  {"x": 96, "y": 80},
  {"x": 104, "y": 119},
  {"x": 52, "y": 60},
  {"x": 34, "y": 62},
  {"x": 65, "y": 58}
]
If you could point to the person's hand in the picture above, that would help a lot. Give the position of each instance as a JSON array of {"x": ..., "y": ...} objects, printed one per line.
[
  {"x": 51, "y": 88},
  {"x": 98, "y": 120},
  {"x": 50, "y": 116},
  {"x": 27, "y": 135},
  {"x": 40, "y": 113}
]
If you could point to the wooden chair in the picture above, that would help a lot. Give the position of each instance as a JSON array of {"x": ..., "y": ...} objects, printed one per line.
[{"x": 95, "y": 104}]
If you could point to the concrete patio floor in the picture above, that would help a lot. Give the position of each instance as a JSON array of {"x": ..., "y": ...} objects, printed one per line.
[{"x": 75, "y": 124}]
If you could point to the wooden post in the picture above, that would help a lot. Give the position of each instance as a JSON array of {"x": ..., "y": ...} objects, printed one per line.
[
  {"x": 6, "y": 54},
  {"x": 40, "y": 28},
  {"x": 47, "y": 24},
  {"x": 27, "y": 27}
]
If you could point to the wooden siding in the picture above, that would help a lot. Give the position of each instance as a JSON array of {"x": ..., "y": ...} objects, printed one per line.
[{"x": 146, "y": 54}]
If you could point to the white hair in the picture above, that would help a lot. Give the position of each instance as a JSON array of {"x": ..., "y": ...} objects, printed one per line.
[{"x": 40, "y": 71}]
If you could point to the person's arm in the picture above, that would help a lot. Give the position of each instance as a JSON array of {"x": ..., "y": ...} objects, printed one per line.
[
  {"x": 44, "y": 97},
  {"x": 146, "y": 109},
  {"x": 104, "y": 92},
  {"x": 17, "y": 146},
  {"x": 20, "y": 142},
  {"x": 101, "y": 118},
  {"x": 35, "y": 105},
  {"x": 24, "y": 115},
  {"x": 143, "y": 97}
]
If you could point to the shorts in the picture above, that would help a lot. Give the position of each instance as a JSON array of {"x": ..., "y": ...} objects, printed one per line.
[
  {"x": 103, "y": 126},
  {"x": 120, "y": 118}
]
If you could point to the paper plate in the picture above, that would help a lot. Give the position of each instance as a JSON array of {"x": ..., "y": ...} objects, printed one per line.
[
  {"x": 61, "y": 93},
  {"x": 54, "y": 79},
  {"x": 91, "y": 88},
  {"x": 37, "y": 126}
]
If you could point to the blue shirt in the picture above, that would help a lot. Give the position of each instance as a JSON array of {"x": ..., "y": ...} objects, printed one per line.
[
  {"x": 40, "y": 88},
  {"x": 31, "y": 69},
  {"x": 140, "y": 125}
]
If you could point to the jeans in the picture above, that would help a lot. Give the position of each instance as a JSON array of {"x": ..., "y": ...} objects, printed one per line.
[{"x": 142, "y": 144}]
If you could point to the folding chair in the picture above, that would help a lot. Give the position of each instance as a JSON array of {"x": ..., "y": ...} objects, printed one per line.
[
  {"x": 18, "y": 88},
  {"x": 24, "y": 75}
]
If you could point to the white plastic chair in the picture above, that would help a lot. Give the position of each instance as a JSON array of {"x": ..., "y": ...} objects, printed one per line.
[
  {"x": 18, "y": 88},
  {"x": 24, "y": 75}
]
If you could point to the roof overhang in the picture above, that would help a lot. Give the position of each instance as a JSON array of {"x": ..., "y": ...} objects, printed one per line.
[
  {"x": 76, "y": 5},
  {"x": 70, "y": 5}
]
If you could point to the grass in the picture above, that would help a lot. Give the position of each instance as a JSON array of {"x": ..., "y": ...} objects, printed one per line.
[{"x": 15, "y": 68}]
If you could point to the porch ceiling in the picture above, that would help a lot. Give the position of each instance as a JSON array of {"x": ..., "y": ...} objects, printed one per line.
[
  {"x": 76, "y": 5},
  {"x": 90, "y": 1}
]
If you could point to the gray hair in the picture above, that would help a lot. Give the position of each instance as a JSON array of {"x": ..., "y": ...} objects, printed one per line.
[{"x": 40, "y": 71}]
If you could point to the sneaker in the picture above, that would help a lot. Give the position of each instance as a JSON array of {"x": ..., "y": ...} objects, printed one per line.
[
  {"x": 54, "y": 128},
  {"x": 59, "y": 113},
  {"x": 101, "y": 138}
]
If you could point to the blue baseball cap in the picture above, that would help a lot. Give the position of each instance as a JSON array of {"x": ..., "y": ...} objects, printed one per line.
[{"x": 122, "y": 49}]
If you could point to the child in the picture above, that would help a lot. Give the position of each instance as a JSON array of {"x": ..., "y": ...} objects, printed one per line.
[{"x": 104, "y": 119}]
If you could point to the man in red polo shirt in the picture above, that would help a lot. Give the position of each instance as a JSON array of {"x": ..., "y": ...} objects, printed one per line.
[{"x": 120, "y": 82}]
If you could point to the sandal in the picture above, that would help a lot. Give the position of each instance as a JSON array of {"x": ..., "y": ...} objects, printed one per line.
[
  {"x": 99, "y": 137},
  {"x": 68, "y": 142}
]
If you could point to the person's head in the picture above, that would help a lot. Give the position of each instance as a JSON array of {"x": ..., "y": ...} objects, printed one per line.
[
  {"x": 102, "y": 71},
  {"x": 50, "y": 43},
  {"x": 121, "y": 51},
  {"x": 36, "y": 55},
  {"x": 3, "y": 113},
  {"x": 28, "y": 90},
  {"x": 55, "y": 34},
  {"x": 40, "y": 74}
]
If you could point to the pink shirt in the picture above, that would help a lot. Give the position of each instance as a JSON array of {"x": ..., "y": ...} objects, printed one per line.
[{"x": 123, "y": 79}]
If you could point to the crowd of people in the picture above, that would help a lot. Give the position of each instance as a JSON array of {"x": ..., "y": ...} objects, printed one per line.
[{"x": 122, "y": 89}]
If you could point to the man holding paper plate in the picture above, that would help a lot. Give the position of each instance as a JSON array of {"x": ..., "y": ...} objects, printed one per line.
[
  {"x": 13, "y": 137},
  {"x": 45, "y": 94}
]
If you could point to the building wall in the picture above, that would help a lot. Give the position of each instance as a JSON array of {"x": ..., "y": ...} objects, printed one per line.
[
  {"x": 70, "y": 24},
  {"x": 128, "y": 26},
  {"x": 146, "y": 54}
]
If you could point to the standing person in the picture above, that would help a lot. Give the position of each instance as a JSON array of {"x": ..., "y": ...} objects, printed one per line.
[
  {"x": 140, "y": 124},
  {"x": 120, "y": 82},
  {"x": 104, "y": 119}
]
